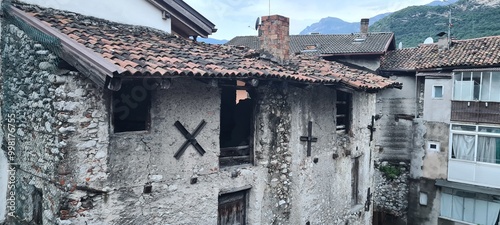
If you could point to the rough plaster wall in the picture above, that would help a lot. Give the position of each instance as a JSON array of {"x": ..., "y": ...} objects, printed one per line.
[
  {"x": 149, "y": 158},
  {"x": 435, "y": 164},
  {"x": 322, "y": 190},
  {"x": 363, "y": 109},
  {"x": 423, "y": 214},
  {"x": 394, "y": 137},
  {"x": 418, "y": 150},
  {"x": 286, "y": 186}
]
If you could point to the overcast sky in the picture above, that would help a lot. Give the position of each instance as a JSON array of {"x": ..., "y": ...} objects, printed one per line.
[{"x": 237, "y": 17}]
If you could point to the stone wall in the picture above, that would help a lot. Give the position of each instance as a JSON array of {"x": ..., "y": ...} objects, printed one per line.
[
  {"x": 392, "y": 188},
  {"x": 54, "y": 111}
]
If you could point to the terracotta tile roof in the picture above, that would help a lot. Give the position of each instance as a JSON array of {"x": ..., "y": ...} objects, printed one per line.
[
  {"x": 478, "y": 52},
  {"x": 329, "y": 44},
  {"x": 142, "y": 51}
]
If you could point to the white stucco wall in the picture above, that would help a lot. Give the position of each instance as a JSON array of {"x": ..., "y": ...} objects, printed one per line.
[
  {"x": 3, "y": 185},
  {"x": 135, "y": 12},
  {"x": 437, "y": 109}
]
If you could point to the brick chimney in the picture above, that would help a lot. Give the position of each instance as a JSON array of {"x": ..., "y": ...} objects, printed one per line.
[
  {"x": 274, "y": 38},
  {"x": 364, "y": 27}
]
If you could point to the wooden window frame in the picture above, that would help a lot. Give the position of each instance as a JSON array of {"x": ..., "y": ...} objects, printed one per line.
[
  {"x": 226, "y": 199},
  {"x": 343, "y": 101}
]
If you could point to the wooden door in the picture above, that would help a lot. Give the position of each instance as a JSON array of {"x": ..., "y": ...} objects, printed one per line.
[{"x": 232, "y": 209}]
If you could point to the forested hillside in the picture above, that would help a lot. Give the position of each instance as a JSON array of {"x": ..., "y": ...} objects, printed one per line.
[{"x": 470, "y": 19}]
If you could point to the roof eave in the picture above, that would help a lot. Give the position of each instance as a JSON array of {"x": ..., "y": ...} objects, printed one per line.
[
  {"x": 187, "y": 16},
  {"x": 83, "y": 59}
]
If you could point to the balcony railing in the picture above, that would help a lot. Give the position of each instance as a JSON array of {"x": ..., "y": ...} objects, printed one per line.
[{"x": 475, "y": 111}]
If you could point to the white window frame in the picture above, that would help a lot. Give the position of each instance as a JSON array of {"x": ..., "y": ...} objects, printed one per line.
[
  {"x": 434, "y": 91},
  {"x": 482, "y": 74},
  {"x": 478, "y": 197},
  {"x": 476, "y": 133}
]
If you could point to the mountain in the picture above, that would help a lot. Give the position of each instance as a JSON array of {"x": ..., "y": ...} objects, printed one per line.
[
  {"x": 470, "y": 19},
  {"x": 442, "y": 3},
  {"x": 333, "y": 25},
  {"x": 212, "y": 41}
]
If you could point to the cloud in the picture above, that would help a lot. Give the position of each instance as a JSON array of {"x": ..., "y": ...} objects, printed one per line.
[{"x": 237, "y": 17}]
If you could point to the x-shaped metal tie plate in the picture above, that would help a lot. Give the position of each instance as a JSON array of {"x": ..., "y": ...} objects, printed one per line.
[{"x": 190, "y": 138}]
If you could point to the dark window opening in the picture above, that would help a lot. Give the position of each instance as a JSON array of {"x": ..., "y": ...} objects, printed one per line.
[
  {"x": 37, "y": 198},
  {"x": 355, "y": 181},
  {"x": 344, "y": 102},
  {"x": 232, "y": 208},
  {"x": 131, "y": 105},
  {"x": 236, "y": 119}
]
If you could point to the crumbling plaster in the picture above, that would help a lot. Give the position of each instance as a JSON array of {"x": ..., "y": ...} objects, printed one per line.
[{"x": 287, "y": 187}]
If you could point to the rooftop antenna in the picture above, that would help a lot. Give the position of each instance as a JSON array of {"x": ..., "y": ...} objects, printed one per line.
[
  {"x": 269, "y": 7},
  {"x": 449, "y": 24}
]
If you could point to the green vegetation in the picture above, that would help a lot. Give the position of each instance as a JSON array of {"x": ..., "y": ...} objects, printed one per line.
[
  {"x": 391, "y": 172},
  {"x": 413, "y": 24}
]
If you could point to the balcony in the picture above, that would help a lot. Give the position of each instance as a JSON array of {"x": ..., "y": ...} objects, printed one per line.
[
  {"x": 475, "y": 111},
  {"x": 476, "y": 173}
]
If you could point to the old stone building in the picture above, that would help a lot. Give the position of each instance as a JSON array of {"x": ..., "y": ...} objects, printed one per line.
[
  {"x": 445, "y": 130},
  {"x": 121, "y": 124}
]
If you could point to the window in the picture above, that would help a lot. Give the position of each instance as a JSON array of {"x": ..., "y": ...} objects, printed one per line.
[
  {"x": 232, "y": 208},
  {"x": 469, "y": 207},
  {"x": 344, "y": 100},
  {"x": 236, "y": 120},
  {"x": 437, "y": 92},
  {"x": 131, "y": 106},
  {"x": 423, "y": 198},
  {"x": 480, "y": 86},
  {"x": 355, "y": 181},
  {"x": 475, "y": 143},
  {"x": 433, "y": 146}
]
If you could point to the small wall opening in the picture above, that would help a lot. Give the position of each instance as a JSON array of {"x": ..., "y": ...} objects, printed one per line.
[
  {"x": 131, "y": 107},
  {"x": 344, "y": 105},
  {"x": 236, "y": 120},
  {"x": 355, "y": 182},
  {"x": 232, "y": 208},
  {"x": 37, "y": 198}
]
